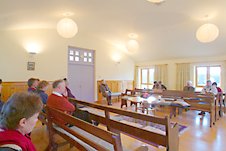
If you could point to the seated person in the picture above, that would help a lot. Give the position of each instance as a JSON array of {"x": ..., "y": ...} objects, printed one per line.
[
  {"x": 208, "y": 89},
  {"x": 17, "y": 119},
  {"x": 69, "y": 94},
  {"x": 219, "y": 90},
  {"x": 58, "y": 101},
  {"x": 157, "y": 88},
  {"x": 163, "y": 87},
  {"x": 32, "y": 84},
  {"x": 41, "y": 88},
  {"x": 106, "y": 92},
  {"x": 155, "y": 85},
  {"x": 189, "y": 87}
]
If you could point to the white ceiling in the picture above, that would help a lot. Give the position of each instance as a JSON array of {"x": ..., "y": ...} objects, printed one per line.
[{"x": 165, "y": 31}]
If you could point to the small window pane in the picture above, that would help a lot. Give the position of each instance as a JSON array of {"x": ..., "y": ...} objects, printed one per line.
[
  {"x": 201, "y": 76},
  {"x": 143, "y": 86},
  {"x": 151, "y": 75},
  {"x": 85, "y": 53},
  {"x": 144, "y": 77},
  {"x": 85, "y": 59},
  {"x": 90, "y": 54},
  {"x": 215, "y": 73},
  {"x": 90, "y": 59},
  {"x": 71, "y": 52},
  {"x": 76, "y": 58},
  {"x": 71, "y": 58},
  {"x": 77, "y": 53}
]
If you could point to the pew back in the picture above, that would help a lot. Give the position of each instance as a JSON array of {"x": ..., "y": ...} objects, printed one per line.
[
  {"x": 170, "y": 139},
  {"x": 81, "y": 134},
  {"x": 200, "y": 102}
]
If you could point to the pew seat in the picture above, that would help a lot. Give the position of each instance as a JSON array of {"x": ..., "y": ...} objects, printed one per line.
[{"x": 95, "y": 139}]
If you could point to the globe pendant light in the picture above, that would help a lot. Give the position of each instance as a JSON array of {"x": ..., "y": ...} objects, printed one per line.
[
  {"x": 207, "y": 33},
  {"x": 67, "y": 28},
  {"x": 132, "y": 45}
]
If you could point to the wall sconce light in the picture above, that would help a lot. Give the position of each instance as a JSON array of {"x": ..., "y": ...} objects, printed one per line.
[
  {"x": 116, "y": 58},
  {"x": 32, "y": 48}
]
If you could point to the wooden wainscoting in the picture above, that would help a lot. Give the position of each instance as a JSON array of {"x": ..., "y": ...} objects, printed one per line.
[
  {"x": 8, "y": 88},
  {"x": 115, "y": 86}
]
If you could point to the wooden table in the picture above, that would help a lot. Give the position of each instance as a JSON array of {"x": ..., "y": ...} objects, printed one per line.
[
  {"x": 154, "y": 100},
  {"x": 139, "y": 100}
]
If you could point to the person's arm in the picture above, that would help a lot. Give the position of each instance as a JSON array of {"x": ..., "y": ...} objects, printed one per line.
[
  {"x": 214, "y": 90},
  {"x": 203, "y": 90},
  {"x": 107, "y": 88}
]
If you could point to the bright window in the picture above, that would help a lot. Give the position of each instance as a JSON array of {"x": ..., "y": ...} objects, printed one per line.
[
  {"x": 147, "y": 78},
  {"x": 204, "y": 73}
]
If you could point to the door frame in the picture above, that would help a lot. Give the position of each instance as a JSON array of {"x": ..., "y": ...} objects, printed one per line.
[{"x": 94, "y": 66}]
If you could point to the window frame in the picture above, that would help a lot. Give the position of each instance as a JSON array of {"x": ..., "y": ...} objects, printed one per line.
[
  {"x": 208, "y": 74},
  {"x": 148, "y": 85}
]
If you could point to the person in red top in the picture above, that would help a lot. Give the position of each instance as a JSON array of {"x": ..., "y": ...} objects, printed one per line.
[
  {"x": 18, "y": 118},
  {"x": 58, "y": 100},
  {"x": 218, "y": 88}
]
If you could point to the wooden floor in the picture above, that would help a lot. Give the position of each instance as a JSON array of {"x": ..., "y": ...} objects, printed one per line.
[{"x": 198, "y": 136}]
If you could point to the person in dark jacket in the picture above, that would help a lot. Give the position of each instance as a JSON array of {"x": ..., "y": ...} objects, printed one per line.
[
  {"x": 69, "y": 93},
  {"x": 106, "y": 92}
]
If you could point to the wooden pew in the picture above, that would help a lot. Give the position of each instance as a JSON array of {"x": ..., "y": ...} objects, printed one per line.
[
  {"x": 169, "y": 139},
  {"x": 200, "y": 102},
  {"x": 82, "y": 135}
]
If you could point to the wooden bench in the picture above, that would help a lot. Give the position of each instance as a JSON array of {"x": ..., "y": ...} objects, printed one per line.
[
  {"x": 108, "y": 116},
  {"x": 80, "y": 134},
  {"x": 200, "y": 102}
]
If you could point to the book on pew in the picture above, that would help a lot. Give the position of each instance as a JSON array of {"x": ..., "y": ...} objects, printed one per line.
[{"x": 180, "y": 102}]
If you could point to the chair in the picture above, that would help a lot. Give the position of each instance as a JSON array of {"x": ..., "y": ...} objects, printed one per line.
[
  {"x": 146, "y": 106},
  {"x": 124, "y": 97}
]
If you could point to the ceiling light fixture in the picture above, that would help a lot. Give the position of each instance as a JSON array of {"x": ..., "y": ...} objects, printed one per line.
[
  {"x": 132, "y": 45},
  {"x": 207, "y": 33},
  {"x": 156, "y": 1},
  {"x": 67, "y": 28}
]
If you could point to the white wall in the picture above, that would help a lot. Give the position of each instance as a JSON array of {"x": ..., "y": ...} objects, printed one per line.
[
  {"x": 219, "y": 60},
  {"x": 51, "y": 62}
]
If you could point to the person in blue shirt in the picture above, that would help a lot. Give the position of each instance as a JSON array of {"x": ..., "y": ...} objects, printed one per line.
[{"x": 41, "y": 88}]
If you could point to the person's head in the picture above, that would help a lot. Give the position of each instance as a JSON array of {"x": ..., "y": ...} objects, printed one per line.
[
  {"x": 189, "y": 83},
  {"x": 43, "y": 85},
  {"x": 214, "y": 84},
  {"x": 208, "y": 83},
  {"x": 155, "y": 82},
  {"x": 103, "y": 81},
  {"x": 21, "y": 112},
  {"x": 66, "y": 81},
  {"x": 32, "y": 82},
  {"x": 160, "y": 82},
  {"x": 59, "y": 86}
]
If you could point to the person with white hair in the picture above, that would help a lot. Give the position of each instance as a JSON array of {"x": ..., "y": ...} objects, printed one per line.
[
  {"x": 189, "y": 87},
  {"x": 208, "y": 89}
]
